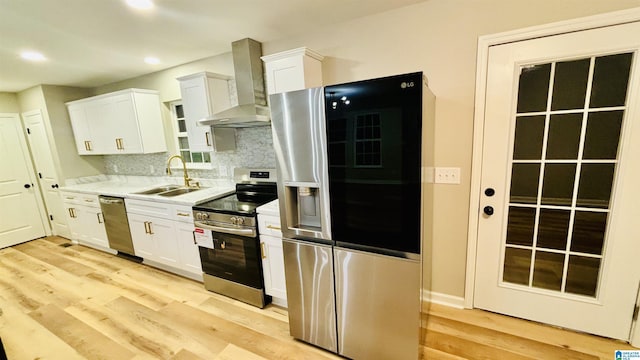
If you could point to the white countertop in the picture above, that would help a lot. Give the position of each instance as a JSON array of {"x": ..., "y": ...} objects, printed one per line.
[
  {"x": 128, "y": 189},
  {"x": 270, "y": 208}
]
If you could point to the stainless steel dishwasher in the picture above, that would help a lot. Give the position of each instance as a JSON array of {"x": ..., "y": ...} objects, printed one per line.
[{"x": 116, "y": 224}]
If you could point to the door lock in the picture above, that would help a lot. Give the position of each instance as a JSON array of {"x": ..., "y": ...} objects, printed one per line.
[{"x": 488, "y": 210}]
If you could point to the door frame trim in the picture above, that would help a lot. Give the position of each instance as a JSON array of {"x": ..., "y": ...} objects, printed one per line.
[{"x": 484, "y": 43}]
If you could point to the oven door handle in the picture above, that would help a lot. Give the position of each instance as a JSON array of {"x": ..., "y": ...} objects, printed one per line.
[{"x": 226, "y": 230}]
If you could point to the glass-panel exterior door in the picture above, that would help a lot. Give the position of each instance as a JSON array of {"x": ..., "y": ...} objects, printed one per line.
[
  {"x": 567, "y": 134},
  {"x": 558, "y": 197}
]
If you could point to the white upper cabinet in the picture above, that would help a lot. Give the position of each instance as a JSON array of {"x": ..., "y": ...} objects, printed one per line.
[
  {"x": 291, "y": 70},
  {"x": 204, "y": 94},
  {"x": 123, "y": 122}
]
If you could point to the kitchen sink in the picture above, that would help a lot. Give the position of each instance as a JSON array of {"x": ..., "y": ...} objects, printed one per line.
[
  {"x": 159, "y": 189},
  {"x": 179, "y": 191}
]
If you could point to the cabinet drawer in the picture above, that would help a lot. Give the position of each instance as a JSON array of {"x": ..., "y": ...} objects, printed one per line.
[
  {"x": 150, "y": 208},
  {"x": 80, "y": 199},
  {"x": 269, "y": 225},
  {"x": 183, "y": 213}
]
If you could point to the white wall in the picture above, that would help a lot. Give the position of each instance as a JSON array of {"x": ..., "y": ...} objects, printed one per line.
[
  {"x": 9, "y": 103},
  {"x": 438, "y": 37}
]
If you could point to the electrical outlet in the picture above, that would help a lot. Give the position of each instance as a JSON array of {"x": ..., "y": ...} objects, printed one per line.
[
  {"x": 447, "y": 175},
  {"x": 151, "y": 169},
  {"x": 115, "y": 168}
]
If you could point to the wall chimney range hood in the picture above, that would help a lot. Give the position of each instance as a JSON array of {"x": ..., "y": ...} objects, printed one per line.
[{"x": 252, "y": 107}]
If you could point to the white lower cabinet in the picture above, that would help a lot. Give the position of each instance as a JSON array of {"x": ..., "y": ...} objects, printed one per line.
[
  {"x": 154, "y": 239},
  {"x": 188, "y": 249},
  {"x": 272, "y": 256},
  {"x": 85, "y": 219},
  {"x": 162, "y": 235},
  {"x": 273, "y": 266}
]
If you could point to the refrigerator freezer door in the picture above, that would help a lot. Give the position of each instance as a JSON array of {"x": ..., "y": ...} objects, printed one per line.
[
  {"x": 378, "y": 305},
  {"x": 310, "y": 293},
  {"x": 300, "y": 144}
]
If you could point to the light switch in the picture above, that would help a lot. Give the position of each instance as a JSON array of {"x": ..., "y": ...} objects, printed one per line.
[{"x": 447, "y": 175}]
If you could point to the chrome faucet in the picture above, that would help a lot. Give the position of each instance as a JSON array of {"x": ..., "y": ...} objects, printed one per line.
[{"x": 187, "y": 179}]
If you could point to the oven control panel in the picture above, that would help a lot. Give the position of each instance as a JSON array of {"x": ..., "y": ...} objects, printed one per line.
[{"x": 222, "y": 219}]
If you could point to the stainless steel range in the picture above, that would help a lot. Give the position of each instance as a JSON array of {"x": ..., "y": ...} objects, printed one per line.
[{"x": 227, "y": 236}]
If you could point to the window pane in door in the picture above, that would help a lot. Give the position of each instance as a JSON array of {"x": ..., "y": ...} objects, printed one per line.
[
  {"x": 528, "y": 139},
  {"x": 603, "y": 135},
  {"x": 570, "y": 84},
  {"x": 588, "y": 232},
  {"x": 582, "y": 275},
  {"x": 521, "y": 225},
  {"x": 517, "y": 263},
  {"x": 564, "y": 136},
  {"x": 547, "y": 271},
  {"x": 533, "y": 88},
  {"x": 596, "y": 181},
  {"x": 553, "y": 229},
  {"x": 524, "y": 183},
  {"x": 610, "y": 80},
  {"x": 557, "y": 187}
]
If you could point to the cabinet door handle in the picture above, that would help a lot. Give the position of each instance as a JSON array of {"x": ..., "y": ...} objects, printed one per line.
[
  {"x": 183, "y": 214},
  {"x": 146, "y": 227},
  {"x": 150, "y": 229},
  {"x": 194, "y": 237},
  {"x": 88, "y": 200},
  {"x": 87, "y": 145},
  {"x": 100, "y": 221},
  {"x": 70, "y": 213},
  {"x": 272, "y": 227},
  {"x": 207, "y": 136},
  {"x": 262, "y": 251},
  {"x": 119, "y": 145}
]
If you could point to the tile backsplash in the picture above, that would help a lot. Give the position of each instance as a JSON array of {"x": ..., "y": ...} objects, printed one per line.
[{"x": 254, "y": 149}]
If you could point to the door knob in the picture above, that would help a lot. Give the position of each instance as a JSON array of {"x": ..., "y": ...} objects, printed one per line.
[
  {"x": 489, "y": 191},
  {"x": 26, "y": 186},
  {"x": 488, "y": 210}
]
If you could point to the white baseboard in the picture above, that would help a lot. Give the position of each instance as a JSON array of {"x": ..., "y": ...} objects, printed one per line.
[
  {"x": 443, "y": 299},
  {"x": 280, "y": 302}
]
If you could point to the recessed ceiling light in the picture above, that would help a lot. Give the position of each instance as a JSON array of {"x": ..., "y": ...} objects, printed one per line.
[
  {"x": 140, "y": 4},
  {"x": 32, "y": 56},
  {"x": 152, "y": 60}
]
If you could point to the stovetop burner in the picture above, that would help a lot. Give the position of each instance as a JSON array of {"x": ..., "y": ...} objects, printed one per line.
[{"x": 254, "y": 189}]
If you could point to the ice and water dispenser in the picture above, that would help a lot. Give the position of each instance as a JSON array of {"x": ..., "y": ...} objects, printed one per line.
[{"x": 303, "y": 199}]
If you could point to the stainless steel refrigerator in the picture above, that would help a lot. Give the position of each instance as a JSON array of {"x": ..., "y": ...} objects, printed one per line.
[{"x": 349, "y": 161}]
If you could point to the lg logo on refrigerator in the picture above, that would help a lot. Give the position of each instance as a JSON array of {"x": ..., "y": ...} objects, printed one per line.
[{"x": 405, "y": 84}]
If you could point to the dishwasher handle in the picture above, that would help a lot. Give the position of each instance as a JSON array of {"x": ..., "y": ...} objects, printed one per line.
[{"x": 111, "y": 201}]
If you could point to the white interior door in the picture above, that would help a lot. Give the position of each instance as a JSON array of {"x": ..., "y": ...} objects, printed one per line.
[
  {"x": 20, "y": 218},
  {"x": 47, "y": 174},
  {"x": 557, "y": 233}
]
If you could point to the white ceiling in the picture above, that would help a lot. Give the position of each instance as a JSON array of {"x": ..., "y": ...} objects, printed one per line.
[{"x": 90, "y": 43}]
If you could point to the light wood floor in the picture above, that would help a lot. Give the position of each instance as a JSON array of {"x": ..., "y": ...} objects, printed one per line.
[{"x": 74, "y": 302}]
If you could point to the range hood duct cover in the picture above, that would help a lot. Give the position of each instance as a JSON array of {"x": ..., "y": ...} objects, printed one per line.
[{"x": 252, "y": 107}]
